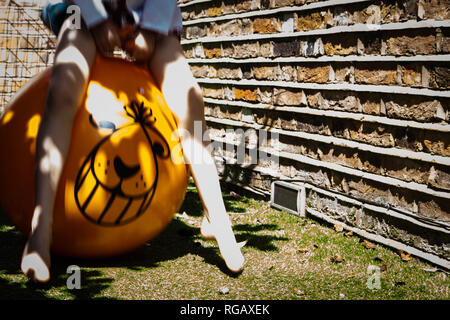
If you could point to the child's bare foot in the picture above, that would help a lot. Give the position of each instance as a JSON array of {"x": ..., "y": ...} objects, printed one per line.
[
  {"x": 35, "y": 267},
  {"x": 206, "y": 230},
  {"x": 36, "y": 255},
  {"x": 35, "y": 264},
  {"x": 229, "y": 249}
]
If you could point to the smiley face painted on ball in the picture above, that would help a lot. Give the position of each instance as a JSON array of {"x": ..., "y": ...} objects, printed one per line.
[{"x": 118, "y": 179}]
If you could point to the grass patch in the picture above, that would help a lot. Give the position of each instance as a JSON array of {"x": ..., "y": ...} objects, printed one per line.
[{"x": 287, "y": 258}]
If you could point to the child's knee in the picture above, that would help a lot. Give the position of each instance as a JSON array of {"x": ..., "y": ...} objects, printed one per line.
[
  {"x": 66, "y": 88},
  {"x": 76, "y": 47},
  {"x": 68, "y": 78}
]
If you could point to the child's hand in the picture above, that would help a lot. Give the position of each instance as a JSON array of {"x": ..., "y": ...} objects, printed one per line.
[
  {"x": 106, "y": 37},
  {"x": 144, "y": 44}
]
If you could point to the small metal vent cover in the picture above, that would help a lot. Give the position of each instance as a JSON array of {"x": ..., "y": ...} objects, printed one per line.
[{"x": 288, "y": 197}]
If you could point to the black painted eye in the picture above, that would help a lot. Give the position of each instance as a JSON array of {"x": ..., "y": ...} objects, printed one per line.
[
  {"x": 158, "y": 148},
  {"x": 107, "y": 125}
]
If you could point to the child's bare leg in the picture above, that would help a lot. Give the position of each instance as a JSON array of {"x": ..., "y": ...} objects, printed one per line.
[
  {"x": 184, "y": 97},
  {"x": 75, "y": 54}
]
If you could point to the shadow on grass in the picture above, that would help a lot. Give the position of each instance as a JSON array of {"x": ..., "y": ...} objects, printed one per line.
[
  {"x": 12, "y": 244},
  {"x": 180, "y": 239},
  {"x": 248, "y": 232},
  {"x": 235, "y": 204},
  {"x": 177, "y": 240},
  {"x": 192, "y": 204}
]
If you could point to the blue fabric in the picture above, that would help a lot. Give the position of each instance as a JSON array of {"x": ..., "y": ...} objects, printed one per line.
[
  {"x": 54, "y": 15},
  {"x": 162, "y": 16}
]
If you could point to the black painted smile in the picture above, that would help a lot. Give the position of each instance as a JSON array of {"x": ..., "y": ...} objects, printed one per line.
[{"x": 108, "y": 190}]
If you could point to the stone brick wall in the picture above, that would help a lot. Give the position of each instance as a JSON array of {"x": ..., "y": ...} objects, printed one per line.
[{"x": 358, "y": 94}]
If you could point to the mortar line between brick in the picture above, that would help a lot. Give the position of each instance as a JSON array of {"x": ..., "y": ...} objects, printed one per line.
[
  {"x": 401, "y": 153},
  {"x": 409, "y": 216},
  {"x": 329, "y": 86},
  {"x": 193, "y": 2},
  {"x": 334, "y": 113},
  {"x": 289, "y": 9},
  {"x": 360, "y": 27},
  {"x": 333, "y": 58},
  {"x": 388, "y": 242},
  {"x": 413, "y": 186}
]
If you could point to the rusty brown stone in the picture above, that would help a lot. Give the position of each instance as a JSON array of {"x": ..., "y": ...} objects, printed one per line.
[
  {"x": 439, "y": 178},
  {"x": 229, "y": 73},
  {"x": 436, "y": 9},
  {"x": 375, "y": 74},
  {"x": 343, "y": 73},
  {"x": 227, "y": 29},
  {"x": 344, "y": 45},
  {"x": 312, "y": 21},
  {"x": 212, "y": 52},
  {"x": 266, "y": 25},
  {"x": 440, "y": 77},
  {"x": 213, "y": 11},
  {"x": 372, "y": 134},
  {"x": 282, "y": 3},
  {"x": 411, "y": 45},
  {"x": 437, "y": 147},
  {"x": 266, "y": 72},
  {"x": 411, "y": 108},
  {"x": 315, "y": 100},
  {"x": 246, "y": 50},
  {"x": 246, "y": 94},
  {"x": 434, "y": 208},
  {"x": 370, "y": 104},
  {"x": 266, "y": 118},
  {"x": 288, "y": 98},
  {"x": 390, "y": 12},
  {"x": 411, "y": 76},
  {"x": 317, "y": 74},
  {"x": 212, "y": 92}
]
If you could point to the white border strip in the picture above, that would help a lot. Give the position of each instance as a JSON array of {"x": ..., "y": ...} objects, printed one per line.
[
  {"x": 396, "y": 152},
  {"x": 193, "y": 2},
  {"x": 350, "y": 171},
  {"x": 360, "y": 27},
  {"x": 410, "y": 216},
  {"x": 364, "y": 175},
  {"x": 329, "y": 86},
  {"x": 287, "y": 9},
  {"x": 334, "y": 114},
  {"x": 333, "y": 58}
]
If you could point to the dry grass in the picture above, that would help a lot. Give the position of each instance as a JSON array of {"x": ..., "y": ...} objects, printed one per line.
[{"x": 287, "y": 258}]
